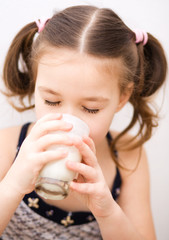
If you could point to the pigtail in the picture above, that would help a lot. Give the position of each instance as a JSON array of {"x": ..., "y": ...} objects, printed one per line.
[
  {"x": 149, "y": 77},
  {"x": 17, "y": 72},
  {"x": 155, "y": 66}
]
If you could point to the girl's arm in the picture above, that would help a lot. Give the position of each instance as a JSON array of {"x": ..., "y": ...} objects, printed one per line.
[
  {"x": 130, "y": 219},
  {"x": 19, "y": 178},
  {"x": 10, "y": 198},
  {"x": 9, "y": 201}
]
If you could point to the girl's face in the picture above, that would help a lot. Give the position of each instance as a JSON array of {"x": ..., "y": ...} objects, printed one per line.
[{"x": 74, "y": 83}]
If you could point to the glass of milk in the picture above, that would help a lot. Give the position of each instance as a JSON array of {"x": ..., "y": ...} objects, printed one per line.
[{"x": 54, "y": 178}]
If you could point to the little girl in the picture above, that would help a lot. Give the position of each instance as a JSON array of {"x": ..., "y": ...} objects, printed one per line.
[{"x": 86, "y": 62}]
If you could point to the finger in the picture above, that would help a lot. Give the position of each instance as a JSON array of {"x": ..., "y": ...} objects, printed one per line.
[
  {"x": 86, "y": 171},
  {"x": 83, "y": 188},
  {"x": 88, "y": 155},
  {"x": 47, "y": 117},
  {"x": 53, "y": 139},
  {"x": 50, "y": 116},
  {"x": 90, "y": 143},
  {"x": 50, "y": 126},
  {"x": 49, "y": 156}
]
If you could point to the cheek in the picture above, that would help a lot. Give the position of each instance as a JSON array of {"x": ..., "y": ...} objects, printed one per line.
[
  {"x": 99, "y": 129},
  {"x": 100, "y": 124},
  {"x": 40, "y": 108}
]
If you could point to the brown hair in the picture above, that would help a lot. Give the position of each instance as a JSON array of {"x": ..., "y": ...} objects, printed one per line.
[{"x": 106, "y": 36}]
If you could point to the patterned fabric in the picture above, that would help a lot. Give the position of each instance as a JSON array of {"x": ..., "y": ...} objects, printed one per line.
[
  {"x": 26, "y": 225},
  {"x": 37, "y": 220}
]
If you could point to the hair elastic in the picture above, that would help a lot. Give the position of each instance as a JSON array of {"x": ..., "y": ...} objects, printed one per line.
[
  {"x": 41, "y": 24},
  {"x": 141, "y": 36}
]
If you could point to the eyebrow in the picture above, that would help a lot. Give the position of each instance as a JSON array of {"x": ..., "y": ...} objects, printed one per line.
[
  {"x": 47, "y": 90},
  {"x": 91, "y": 99}
]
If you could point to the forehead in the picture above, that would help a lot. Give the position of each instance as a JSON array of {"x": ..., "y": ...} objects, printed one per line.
[
  {"x": 65, "y": 64},
  {"x": 57, "y": 56}
]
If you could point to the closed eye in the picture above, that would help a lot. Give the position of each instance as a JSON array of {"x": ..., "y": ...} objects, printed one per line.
[
  {"x": 94, "y": 111},
  {"x": 52, "y": 103},
  {"x": 57, "y": 103}
]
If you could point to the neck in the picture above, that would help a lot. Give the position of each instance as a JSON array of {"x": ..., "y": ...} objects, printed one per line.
[{"x": 102, "y": 149}]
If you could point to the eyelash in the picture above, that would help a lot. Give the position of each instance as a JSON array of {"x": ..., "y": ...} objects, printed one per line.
[
  {"x": 52, "y": 103},
  {"x": 92, "y": 111}
]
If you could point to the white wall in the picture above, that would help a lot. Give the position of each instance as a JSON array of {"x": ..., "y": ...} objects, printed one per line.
[{"x": 151, "y": 15}]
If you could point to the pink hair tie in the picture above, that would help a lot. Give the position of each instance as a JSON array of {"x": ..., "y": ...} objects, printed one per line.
[
  {"x": 141, "y": 36},
  {"x": 41, "y": 24}
]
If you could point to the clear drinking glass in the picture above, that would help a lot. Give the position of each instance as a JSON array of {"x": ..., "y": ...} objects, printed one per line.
[{"x": 54, "y": 178}]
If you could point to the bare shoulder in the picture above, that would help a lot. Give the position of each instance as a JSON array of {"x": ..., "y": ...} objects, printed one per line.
[
  {"x": 131, "y": 159},
  {"x": 134, "y": 171},
  {"x": 8, "y": 143}
]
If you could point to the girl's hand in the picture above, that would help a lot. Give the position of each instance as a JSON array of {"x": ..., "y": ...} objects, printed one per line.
[
  {"x": 91, "y": 184},
  {"x": 33, "y": 156}
]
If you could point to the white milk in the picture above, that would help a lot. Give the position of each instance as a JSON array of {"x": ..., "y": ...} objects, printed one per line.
[{"x": 53, "y": 181}]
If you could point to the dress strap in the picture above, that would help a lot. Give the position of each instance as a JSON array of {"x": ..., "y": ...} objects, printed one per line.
[
  {"x": 117, "y": 181},
  {"x": 110, "y": 139},
  {"x": 22, "y": 136},
  {"x": 23, "y": 133}
]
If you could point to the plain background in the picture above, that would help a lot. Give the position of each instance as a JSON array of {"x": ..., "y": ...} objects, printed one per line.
[{"x": 150, "y": 15}]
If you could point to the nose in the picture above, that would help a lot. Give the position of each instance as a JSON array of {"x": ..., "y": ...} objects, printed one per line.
[{"x": 71, "y": 110}]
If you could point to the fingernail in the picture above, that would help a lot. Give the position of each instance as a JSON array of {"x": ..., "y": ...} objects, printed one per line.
[
  {"x": 70, "y": 163},
  {"x": 69, "y": 141},
  {"x": 68, "y": 126},
  {"x": 77, "y": 139},
  {"x": 58, "y": 115}
]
